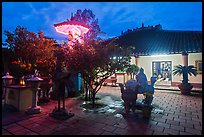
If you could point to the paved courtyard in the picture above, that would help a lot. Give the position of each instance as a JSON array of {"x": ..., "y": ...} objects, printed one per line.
[{"x": 173, "y": 114}]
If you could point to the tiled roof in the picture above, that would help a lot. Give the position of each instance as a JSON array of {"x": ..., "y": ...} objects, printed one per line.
[{"x": 148, "y": 42}]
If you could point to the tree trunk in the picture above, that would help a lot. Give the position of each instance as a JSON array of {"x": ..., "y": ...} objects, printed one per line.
[
  {"x": 58, "y": 99},
  {"x": 185, "y": 78},
  {"x": 93, "y": 99},
  {"x": 89, "y": 94},
  {"x": 86, "y": 92}
]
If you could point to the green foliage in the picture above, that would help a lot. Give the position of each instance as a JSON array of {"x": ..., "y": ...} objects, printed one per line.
[
  {"x": 45, "y": 53},
  {"x": 29, "y": 51},
  {"x": 97, "y": 59},
  {"x": 87, "y": 17},
  {"x": 132, "y": 70},
  {"x": 185, "y": 70},
  {"x": 21, "y": 42},
  {"x": 96, "y": 62}
]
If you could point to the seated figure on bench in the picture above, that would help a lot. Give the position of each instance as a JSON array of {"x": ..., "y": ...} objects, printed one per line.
[
  {"x": 129, "y": 94},
  {"x": 144, "y": 88},
  {"x": 141, "y": 81},
  {"x": 134, "y": 87}
]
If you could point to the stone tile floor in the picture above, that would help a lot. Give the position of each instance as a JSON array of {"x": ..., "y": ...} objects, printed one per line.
[{"x": 173, "y": 114}]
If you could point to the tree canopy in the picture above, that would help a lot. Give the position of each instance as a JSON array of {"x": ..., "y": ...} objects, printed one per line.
[
  {"x": 29, "y": 52},
  {"x": 87, "y": 17},
  {"x": 97, "y": 59}
]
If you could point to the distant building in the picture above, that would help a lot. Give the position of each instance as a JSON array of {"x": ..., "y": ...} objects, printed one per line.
[{"x": 158, "y": 51}]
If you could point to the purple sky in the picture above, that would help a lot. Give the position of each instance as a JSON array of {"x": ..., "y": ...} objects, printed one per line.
[{"x": 113, "y": 17}]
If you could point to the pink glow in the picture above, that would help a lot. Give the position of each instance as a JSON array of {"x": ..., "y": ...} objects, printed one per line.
[
  {"x": 74, "y": 30},
  {"x": 65, "y": 29}
]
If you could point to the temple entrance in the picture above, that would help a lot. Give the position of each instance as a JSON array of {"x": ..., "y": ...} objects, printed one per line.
[{"x": 163, "y": 72}]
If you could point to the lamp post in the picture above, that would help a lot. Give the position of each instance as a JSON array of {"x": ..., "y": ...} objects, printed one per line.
[
  {"x": 34, "y": 82},
  {"x": 7, "y": 80}
]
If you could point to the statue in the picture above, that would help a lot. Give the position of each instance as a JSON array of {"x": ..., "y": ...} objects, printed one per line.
[
  {"x": 142, "y": 81},
  {"x": 131, "y": 85},
  {"x": 129, "y": 96},
  {"x": 134, "y": 87},
  {"x": 59, "y": 78},
  {"x": 144, "y": 88}
]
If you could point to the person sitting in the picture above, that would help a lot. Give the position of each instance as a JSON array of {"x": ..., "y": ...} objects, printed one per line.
[
  {"x": 130, "y": 85},
  {"x": 144, "y": 88},
  {"x": 129, "y": 94},
  {"x": 141, "y": 81}
]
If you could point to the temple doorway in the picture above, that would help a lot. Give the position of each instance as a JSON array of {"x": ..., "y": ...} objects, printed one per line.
[{"x": 163, "y": 72}]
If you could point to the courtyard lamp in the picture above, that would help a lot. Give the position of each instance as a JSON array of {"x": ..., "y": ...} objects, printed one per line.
[
  {"x": 34, "y": 82},
  {"x": 7, "y": 80}
]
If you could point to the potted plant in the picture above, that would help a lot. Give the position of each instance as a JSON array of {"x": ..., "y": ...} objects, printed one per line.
[{"x": 185, "y": 87}]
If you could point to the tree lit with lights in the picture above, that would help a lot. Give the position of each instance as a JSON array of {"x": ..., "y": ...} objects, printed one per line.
[
  {"x": 95, "y": 59},
  {"x": 29, "y": 51}
]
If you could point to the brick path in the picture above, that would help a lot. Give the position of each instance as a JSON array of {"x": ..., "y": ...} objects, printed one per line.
[{"x": 173, "y": 114}]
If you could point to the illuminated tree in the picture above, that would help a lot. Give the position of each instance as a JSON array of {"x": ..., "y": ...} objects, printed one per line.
[
  {"x": 21, "y": 42},
  {"x": 97, "y": 59},
  {"x": 29, "y": 52},
  {"x": 87, "y": 17},
  {"x": 45, "y": 58},
  {"x": 96, "y": 63}
]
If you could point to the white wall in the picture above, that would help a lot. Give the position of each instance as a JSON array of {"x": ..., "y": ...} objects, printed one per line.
[
  {"x": 191, "y": 61},
  {"x": 176, "y": 59},
  {"x": 132, "y": 61}
]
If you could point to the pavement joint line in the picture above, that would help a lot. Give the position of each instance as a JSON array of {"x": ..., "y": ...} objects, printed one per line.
[{"x": 174, "y": 107}]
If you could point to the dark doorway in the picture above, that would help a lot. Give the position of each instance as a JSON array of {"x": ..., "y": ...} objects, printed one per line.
[{"x": 163, "y": 72}]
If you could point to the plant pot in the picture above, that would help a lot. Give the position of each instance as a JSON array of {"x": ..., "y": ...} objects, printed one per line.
[{"x": 185, "y": 88}]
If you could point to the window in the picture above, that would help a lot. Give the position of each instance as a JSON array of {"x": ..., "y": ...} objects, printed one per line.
[{"x": 198, "y": 65}]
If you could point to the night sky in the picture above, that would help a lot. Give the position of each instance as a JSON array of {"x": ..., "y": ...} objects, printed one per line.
[{"x": 113, "y": 17}]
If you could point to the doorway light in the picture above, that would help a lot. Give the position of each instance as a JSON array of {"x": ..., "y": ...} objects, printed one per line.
[{"x": 159, "y": 55}]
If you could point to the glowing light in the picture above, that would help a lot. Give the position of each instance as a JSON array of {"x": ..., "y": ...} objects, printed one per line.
[
  {"x": 117, "y": 57},
  {"x": 22, "y": 82},
  {"x": 159, "y": 55},
  {"x": 66, "y": 29},
  {"x": 74, "y": 30}
]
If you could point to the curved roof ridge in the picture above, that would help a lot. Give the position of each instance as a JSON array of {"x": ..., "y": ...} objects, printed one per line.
[
  {"x": 182, "y": 30},
  {"x": 163, "y": 41}
]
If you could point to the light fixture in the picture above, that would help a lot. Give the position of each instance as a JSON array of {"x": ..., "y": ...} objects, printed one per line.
[
  {"x": 34, "y": 82},
  {"x": 22, "y": 82}
]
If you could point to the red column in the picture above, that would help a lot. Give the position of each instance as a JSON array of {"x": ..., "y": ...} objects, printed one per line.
[
  {"x": 136, "y": 60},
  {"x": 185, "y": 58}
]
